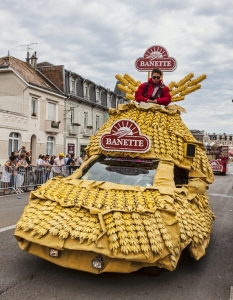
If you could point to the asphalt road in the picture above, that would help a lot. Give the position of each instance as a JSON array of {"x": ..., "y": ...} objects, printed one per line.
[{"x": 24, "y": 276}]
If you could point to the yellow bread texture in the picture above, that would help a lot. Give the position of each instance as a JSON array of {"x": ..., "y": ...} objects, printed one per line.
[{"x": 130, "y": 226}]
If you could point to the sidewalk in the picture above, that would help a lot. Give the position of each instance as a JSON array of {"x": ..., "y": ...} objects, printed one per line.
[{"x": 12, "y": 192}]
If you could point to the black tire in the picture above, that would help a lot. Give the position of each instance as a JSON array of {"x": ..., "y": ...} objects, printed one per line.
[{"x": 152, "y": 271}]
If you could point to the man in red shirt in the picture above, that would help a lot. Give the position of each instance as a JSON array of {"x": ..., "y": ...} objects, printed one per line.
[{"x": 153, "y": 91}]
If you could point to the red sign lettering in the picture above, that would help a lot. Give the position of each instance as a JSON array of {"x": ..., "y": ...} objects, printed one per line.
[
  {"x": 125, "y": 136},
  {"x": 216, "y": 166},
  {"x": 156, "y": 57}
]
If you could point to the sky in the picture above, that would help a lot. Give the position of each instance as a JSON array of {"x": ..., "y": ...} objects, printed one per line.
[{"x": 99, "y": 39}]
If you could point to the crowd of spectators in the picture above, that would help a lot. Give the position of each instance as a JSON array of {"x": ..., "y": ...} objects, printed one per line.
[{"x": 18, "y": 170}]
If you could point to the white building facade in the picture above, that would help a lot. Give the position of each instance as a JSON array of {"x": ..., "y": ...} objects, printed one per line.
[
  {"x": 49, "y": 109},
  {"x": 86, "y": 106},
  {"x": 221, "y": 139},
  {"x": 30, "y": 110}
]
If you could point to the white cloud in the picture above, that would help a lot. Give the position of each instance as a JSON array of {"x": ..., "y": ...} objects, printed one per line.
[{"x": 98, "y": 39}]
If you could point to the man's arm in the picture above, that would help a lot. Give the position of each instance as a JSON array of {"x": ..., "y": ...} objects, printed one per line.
[
  {"x": 19, "y": 150},
  {"x": 139, "y": 94},
  {"x": 56, "y": 162}
]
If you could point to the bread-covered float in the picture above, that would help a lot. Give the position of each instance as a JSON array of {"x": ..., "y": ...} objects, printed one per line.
[{"x": 137, "y": 201}]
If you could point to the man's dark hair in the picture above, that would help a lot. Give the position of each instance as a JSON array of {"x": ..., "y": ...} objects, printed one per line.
[
  {"x": 72, "y": 155},
  {"x": 12, "y": 157},
  {"x": 156, "y": 70}
]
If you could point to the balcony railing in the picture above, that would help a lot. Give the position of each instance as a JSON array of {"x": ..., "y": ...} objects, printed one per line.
[
  {"x": 87, "y": 132},
  {"x": 74, "y": 128},
  {"x": 52, "y": 126}
]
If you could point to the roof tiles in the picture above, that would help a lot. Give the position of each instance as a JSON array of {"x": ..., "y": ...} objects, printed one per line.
[{"x": 26, "y": 71}]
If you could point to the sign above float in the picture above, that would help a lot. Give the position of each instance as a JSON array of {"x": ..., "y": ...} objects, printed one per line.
[
  {"x": 125, "y": 136},
  {"x": 156, "y": 57}
]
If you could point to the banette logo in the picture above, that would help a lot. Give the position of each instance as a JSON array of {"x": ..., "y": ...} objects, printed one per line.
[
  {"x": 156, "y": 57},
  {"x": 216, "y": 166},
  {"x": 125, "y": 136}
]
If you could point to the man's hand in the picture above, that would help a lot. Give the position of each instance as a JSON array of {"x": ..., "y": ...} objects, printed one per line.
[{"x": 151, "y": 101}]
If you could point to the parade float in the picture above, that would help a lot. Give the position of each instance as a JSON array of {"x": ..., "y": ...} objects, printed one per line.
[
  {"x": 218, "y": 157},
  {"x": 138, "y": 200}
]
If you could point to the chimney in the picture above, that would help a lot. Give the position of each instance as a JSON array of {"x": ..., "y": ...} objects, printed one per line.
[
  {"x": 34, "y": 60},
  {"x": 28, "y": 58}
]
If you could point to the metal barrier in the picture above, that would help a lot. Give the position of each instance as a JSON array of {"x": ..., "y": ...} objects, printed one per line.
[{"x": 25, "y": 180}]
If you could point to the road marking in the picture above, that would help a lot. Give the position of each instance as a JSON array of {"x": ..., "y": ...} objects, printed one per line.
[
  {"x": 231, "y": 293},
  {"x": 7, "y": 228},
  {"x": 221, "y": 195}
]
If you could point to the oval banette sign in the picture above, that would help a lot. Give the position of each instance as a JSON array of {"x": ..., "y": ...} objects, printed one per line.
[
  {"x": 156, "y": 57},
  {"x": 125, "y": 136}
]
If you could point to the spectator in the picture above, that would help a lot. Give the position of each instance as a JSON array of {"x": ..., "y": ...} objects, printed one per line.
[
  {"x": 23, "y": 150},
  {"x": 70, "y": 161},
  {"x": 51, "y": 162},
  {"x": 47, "y": 167},
  {"x": 80, "y": 160},
  {"x": 39, "y": 157},
  {"x": 28, "y": 158},
  {"x": 28, "y": 169},
  {"x": 70, "y": 164},
  {"x": 9, "y": 172},
  {"x": 22, "y": 164},
  {"x": 14, "y": 153},
  {"x": 67, "y": 157},
  {"x": 58, "y": 164},
  {"x": 41, "y": 169}
]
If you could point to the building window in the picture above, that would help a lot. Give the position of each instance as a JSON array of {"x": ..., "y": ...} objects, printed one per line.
[
  {"x": 85, "y": 120},
  {"x": 50, "y": 145},
  {"x": 97, "y": 122},
  {"x": 71, "y": 115},
  {"x": 34, "y": 105},
  {"x": 109, "y": 104},
  {"x": 51, "y": 111},
  {"x": 86, "y": 91},
  {"x": 97, "y": 96},
  {"x": 13, "y": 144},
  {"x": 72, "y": 87}
]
